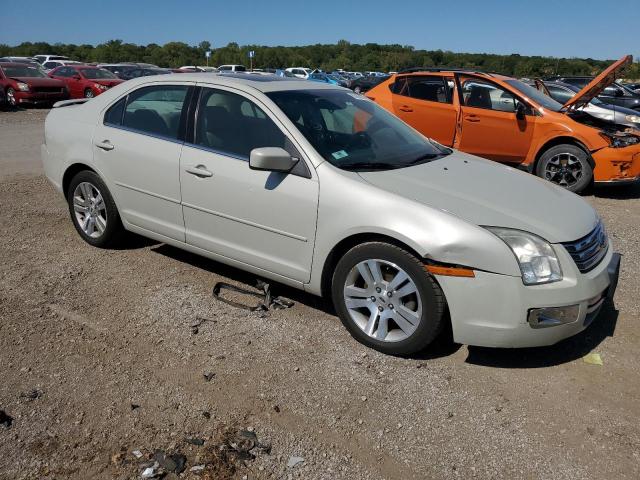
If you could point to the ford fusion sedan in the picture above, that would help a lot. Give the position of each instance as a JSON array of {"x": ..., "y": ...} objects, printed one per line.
[
  {"x": 321, "y": 189},
  {"x": 504, "y": 119},
  {"x": 85, "y": 81},
  {"x": 23, "y": 84}
]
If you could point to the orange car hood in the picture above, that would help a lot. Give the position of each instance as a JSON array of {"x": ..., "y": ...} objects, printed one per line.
[{"x": 598, "y": 84}]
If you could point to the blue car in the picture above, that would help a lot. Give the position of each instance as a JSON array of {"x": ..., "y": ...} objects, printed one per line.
[{"x": 327, "y": 78}]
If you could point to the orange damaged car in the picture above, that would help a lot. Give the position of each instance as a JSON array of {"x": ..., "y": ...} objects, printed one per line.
[{"x": 504, "y": 119}]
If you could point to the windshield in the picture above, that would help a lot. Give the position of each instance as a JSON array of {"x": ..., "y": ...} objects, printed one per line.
[
  {"x": 535, "y": 95},
  {"x": 97, "y": 73},
  {"x": 23, "y": 72},
  {"x": 353, "y": 133}
]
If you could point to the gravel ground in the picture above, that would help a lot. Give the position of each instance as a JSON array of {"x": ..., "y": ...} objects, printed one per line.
[{"x": 99, "y": 358}]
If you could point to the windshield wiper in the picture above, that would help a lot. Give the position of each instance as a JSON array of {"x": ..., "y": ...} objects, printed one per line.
[
  {"x": 426, "y": 157},
  {"x": 369, "y": 166}
]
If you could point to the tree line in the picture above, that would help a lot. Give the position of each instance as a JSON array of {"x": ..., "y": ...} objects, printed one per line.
[{"x": 343, "y": 54}]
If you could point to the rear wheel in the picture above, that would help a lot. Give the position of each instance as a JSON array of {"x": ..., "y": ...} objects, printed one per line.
[
  {"x": 386, "y": 299},
  {"x": 566, "y": 165},
  {"x": 93, "y": 211}
]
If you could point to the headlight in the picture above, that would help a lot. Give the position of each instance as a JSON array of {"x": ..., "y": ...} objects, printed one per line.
[
  {"x": 632, "y": 118},
  {"x": 536, "y": 257},
  {"x": 100, "y": 87},
  {"x": 23, "y": 87}
]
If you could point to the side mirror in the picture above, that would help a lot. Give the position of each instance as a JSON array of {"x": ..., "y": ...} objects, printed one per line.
[
  {"x": 272, "y": 159},
  {"x": 521, "y": 111}
]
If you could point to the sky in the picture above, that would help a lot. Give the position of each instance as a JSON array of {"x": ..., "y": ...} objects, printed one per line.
[{"x": 559, "y": 28}]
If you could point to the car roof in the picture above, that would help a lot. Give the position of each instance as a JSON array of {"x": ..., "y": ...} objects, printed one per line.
[
  {"x": 263, "y": 83},
  {"x": 18, "y": 64}
]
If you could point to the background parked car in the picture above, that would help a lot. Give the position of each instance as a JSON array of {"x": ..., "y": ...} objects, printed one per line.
[
  {"x": 145, "y": 72},
  {"x": 562, "y": 92},
  {"x": 46, "y": 58},
  {"x": 26, "y": 84},
  {"x": 24, "y": 60},
  {"x": 633, "y": 86},
  {"x": 327, "y": 78},
  {"x": 364, "y": 84},
  {"x": 232, "y": 68},
  {"x": 299, "y": 72},
  {"x": 85, "y": 81},
  {"x": 51, "y": 64},
  {"x": 120, "y": 70},
  {"x": 615, "y": 94}
]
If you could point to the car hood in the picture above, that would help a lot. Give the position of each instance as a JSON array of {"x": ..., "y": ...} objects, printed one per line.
[
  {"x": 487, "y": 193},
  {"x": 598, "y": 84},
  {"x": 39, "y": 82}
]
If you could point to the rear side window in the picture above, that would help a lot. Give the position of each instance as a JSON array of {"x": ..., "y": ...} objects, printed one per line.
[
  {"x": 156, "y": 110},
  {"x": 230, "y": 123},
  {"x": 430, "y": 89}
]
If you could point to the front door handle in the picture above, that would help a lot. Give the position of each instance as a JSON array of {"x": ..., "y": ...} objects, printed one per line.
[
  {"x": 406, "y": 108},
  {"x": 199, "y": 171},
  {"x": 105, "y": 145},
  {"x": 472, "y": 118}
]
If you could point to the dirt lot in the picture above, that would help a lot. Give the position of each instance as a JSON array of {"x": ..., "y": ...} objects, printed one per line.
[{"x": 98, "y": 358}]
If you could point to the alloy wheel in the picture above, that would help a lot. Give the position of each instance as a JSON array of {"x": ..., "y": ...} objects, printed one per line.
[
  {"x": 563, "y": 169},
  {"x": 90, "y": 209},
  {"x": 88, "y": 93},
  {"x": 382, "y": 300},
  {"x": 11, "y": 97}
]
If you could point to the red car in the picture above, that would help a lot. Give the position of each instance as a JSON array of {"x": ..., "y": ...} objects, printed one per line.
[
  {"x": 24, "y": 84},
  {"x": 84, "y": 81}
]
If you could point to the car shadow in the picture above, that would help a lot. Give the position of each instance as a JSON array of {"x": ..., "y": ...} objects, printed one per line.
[
  {"x": 565, "y": 351},
  {"x": 133, "y": 241},
  {"x": 620, "y": 192},
  {"x": 247, "y": 279}
]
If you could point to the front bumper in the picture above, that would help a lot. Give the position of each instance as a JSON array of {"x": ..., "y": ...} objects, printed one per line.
[
  {"x": 35, "y": 98},
  {"x": 491, "y": 310},
  {"x": 617, "y": 165}
]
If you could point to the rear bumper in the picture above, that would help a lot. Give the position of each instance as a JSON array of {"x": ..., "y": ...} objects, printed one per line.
[
  {"x": 491, "y": 310},
  {"x": 617, "y": 165}
]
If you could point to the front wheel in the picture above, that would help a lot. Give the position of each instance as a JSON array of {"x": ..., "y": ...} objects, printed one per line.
[
  {"x": 93, "y": 211},
  {"x": 88, "y": 93},
  {"x": 11, "y": 97},
  {"x": 386, "y": 299},
  {"x": 566, "y": 165}
]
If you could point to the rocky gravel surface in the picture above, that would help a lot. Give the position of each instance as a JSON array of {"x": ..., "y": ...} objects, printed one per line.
[{"x": 112, "y": 361}]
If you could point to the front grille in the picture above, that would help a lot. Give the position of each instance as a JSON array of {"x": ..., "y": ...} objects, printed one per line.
[
  {"x": 588, "y": 251},
  {"x": 47, "y": 89}
]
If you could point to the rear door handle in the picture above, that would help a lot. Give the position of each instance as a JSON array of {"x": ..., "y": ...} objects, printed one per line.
[
  {"x": 105, "y": 145},
  {"x": 199, "y": 171},
  {"x": 406, "y": 108}
]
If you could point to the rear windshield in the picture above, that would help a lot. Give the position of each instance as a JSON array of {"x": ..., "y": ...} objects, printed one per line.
[
  {"x": 97, "y": 73},
  {"x": 535, "y": 95},
  {"x": 23, "y": 72}
]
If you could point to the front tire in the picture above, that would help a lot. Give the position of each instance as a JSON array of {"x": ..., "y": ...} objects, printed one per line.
[
  {"x": 88, "y": 93},
  {"x": 11, "y": 97},
  {"x": 386, "y": 299},
  {"x": 93, "y": 211},
  {"x": 566, "y": 165}
]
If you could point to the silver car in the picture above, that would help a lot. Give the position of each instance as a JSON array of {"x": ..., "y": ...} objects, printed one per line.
[{"x": 318, "y": 188}]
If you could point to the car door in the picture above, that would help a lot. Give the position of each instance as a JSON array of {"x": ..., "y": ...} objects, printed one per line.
[
  {"x": 137, "y": 147},
  {"x": 266, "y": 220},
  {"x": 426, "y": 103},
  {"x": 488, "y": 125}
]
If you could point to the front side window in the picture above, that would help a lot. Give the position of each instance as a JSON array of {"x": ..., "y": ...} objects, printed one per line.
[
  {"x": 478, "y": 93},
  {"x": 156, "y": 110},
  {"x": 352, "y": 132},
  {"x": 231, "y": 124}
]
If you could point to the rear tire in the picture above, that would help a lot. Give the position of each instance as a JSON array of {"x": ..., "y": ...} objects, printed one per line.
[
  {"x": 93, "y": 211},
  {"x": 399, "y": 310},
  {"x": 567, "y": 166}
]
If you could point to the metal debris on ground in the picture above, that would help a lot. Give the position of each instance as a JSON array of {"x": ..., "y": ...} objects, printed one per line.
[
  {"x": 32, "y": 395},
  {"x": 6, "y": 420},
  {"x": 267, "y": 301},
  {"x": 175, "y": 462},
  {"x": 208, "y": 376},
  {"x": 137, "y": 453},
  {"x": 197, "y": 323},
  {"x": 593, "y": 359},
  {"x": 195, "y": 441},
  {"x": 293, "y": 461}
]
